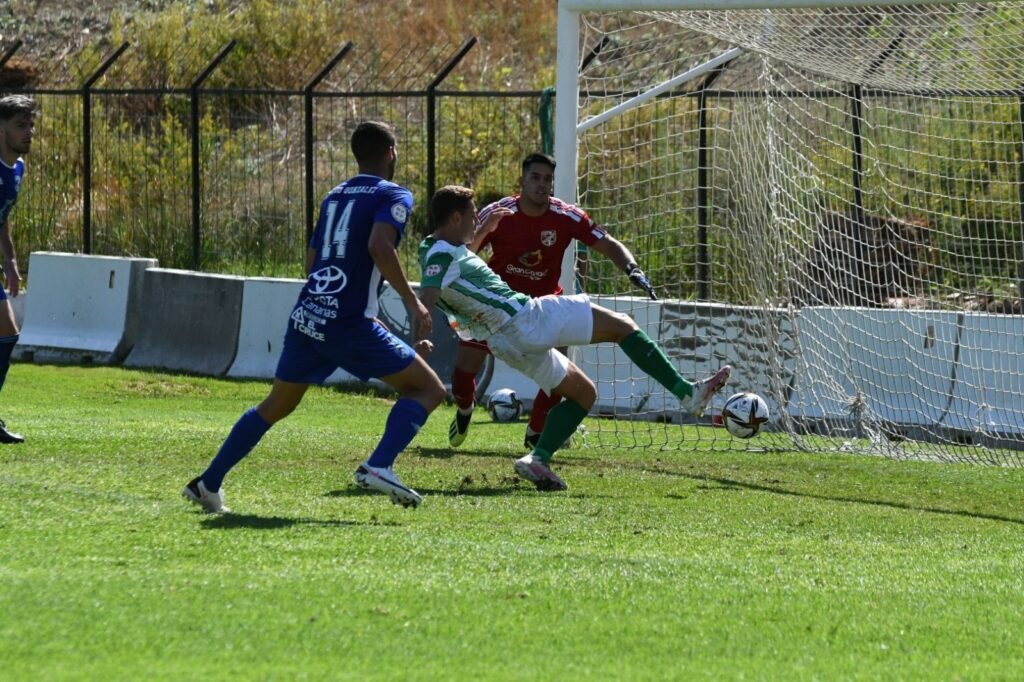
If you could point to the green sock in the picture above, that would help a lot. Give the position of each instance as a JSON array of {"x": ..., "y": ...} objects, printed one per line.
[
  {"x": 561, "y": 424},
  {"x": 646, "y": 355}
]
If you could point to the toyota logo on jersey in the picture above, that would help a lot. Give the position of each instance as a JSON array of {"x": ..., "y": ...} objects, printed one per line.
[{"x": 329, "y": 280}]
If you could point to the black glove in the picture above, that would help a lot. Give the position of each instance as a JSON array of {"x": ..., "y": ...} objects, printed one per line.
[{"x": 638, "y": 278}]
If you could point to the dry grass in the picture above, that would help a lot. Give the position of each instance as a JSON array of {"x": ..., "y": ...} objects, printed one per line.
[{"x": 283, "y": 42}]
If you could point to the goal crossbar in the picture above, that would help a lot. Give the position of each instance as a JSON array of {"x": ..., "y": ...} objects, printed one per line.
[
  {"x": 654, "y": 5},
  {"x": 670, "y": 84}
]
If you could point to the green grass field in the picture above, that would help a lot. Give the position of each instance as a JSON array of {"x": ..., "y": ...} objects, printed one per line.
[{"x": 655, "y": 565}]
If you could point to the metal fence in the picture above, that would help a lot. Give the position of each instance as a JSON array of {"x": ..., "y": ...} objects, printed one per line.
[
  {"x": 203, "y": 174},
  {"x": 208, "y": 176}
]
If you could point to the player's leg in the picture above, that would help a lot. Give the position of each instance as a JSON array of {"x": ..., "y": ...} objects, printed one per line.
[
  {"x": 420, "y": 392},
  {"x": 645, "y": 354},
  {"x": 469, "y": 358},
  {"x": 301, "y": 364},
  {"x": 250, "y": 428},
  {"x": 579, "y": 393},
  {"x": 553, "y": 372},
  {"x": 8, "y": 337},
  {"x": 542, "y": 404},
  {"x": 378, "y": 353}
]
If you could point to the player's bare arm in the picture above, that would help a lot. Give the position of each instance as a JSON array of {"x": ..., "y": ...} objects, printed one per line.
[
  {"x": 489, "y": 225},
  {"x": 615, "y": 251},
  {"x": 382, "y": 249},
  {"x": 428, "y": 297},
  {"x": 10, "y": 265},
  {"x": 618, "y": 253}
]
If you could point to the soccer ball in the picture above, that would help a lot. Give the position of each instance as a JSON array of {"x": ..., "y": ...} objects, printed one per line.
[
  {"x": 744, "y": 413},
  {"x": 504, "y": 406}
]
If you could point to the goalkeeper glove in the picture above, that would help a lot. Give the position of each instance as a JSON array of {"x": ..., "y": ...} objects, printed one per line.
[{"x": 638, "y": 278}]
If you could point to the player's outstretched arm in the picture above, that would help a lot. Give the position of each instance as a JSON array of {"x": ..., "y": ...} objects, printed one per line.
[
  {"x": 382, "y": 249},
  {"x": 617, "y": 252}
]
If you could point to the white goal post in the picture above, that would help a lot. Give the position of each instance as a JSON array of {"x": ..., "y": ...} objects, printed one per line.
[{"x": 828, "y": 195}]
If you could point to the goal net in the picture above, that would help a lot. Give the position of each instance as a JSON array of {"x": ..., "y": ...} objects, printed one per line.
[{"x": 829, "y": 199}]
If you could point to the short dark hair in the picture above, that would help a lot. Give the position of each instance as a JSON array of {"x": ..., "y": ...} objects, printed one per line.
[
  {"x": 12, "y": 105},
  {"x": 449, "y": 200},
  {"x": 371, "y": 140},
  {"x": 537, "y": 157}
]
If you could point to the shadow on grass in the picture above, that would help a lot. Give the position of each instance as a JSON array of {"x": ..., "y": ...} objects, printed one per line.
[
  {"x": 229, "y": 521},
  {"x": 448, "y": 453},
  {"x": 483, "y": 491},
  {"x": 726, "y": 484},
  {"x": 564, "y": 456},
  {"x": 504, "y": 486}
]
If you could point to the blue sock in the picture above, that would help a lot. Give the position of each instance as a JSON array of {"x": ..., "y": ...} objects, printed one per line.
[
  {"x": 6, "y": 348},
  {"x": 404, "y": 422},
  {"x": 243, "y": 437}
]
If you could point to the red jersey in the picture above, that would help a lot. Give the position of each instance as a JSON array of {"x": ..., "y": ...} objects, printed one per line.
[{"x": 527, "y": 252}]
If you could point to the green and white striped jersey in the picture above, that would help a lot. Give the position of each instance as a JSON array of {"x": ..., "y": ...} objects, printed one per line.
[{"x": 476, "y": 301}]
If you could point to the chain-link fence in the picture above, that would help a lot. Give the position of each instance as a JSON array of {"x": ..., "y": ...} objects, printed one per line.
[{"x": 204, "y": 174}]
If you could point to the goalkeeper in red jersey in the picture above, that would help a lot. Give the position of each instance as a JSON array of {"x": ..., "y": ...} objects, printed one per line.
[{"x": 527, "y": 249}]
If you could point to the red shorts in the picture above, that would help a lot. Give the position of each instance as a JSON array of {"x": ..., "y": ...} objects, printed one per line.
[{"x": 473, "y": 343}]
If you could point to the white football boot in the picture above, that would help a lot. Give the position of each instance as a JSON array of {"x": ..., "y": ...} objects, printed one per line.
[
  {"x": 385, "y": 481},
  {"x": 534, "y": 470},
  {"x": 704, "y": 390},
  {"x": 213, "y": 503}
]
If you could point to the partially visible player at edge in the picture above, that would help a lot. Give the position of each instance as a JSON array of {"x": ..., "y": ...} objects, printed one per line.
[
  {"x": 527, "y": 248},
  {"x": 333, "y": 324},
  {"x": 524, "y": 332},
  {"x": 17, "y": 126}
]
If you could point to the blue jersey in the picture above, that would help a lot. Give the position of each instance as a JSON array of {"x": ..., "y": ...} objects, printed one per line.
[
  {"x": 344, "y": 282},
  {"x": 10, "y": 183}
]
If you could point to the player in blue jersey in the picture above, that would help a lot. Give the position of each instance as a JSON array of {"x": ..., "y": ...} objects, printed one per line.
[
  {"x": 524, "y": 332},
  {"x": 17, "y": 126},
  {"x": 333, "y": 324}
]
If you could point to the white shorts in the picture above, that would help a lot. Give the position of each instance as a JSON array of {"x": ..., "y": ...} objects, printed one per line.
[{"x": 527, "y": 341}]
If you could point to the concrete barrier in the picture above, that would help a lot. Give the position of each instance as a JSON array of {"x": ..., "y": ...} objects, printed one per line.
[
  {"x": 188, "y": 322},
  {"x": 18, "y": 304},
  {"x": 901, "y": 362},
  {"x": 989, "y": 393},
  {"x": 701, "y": 337},
  {"x": 83, "y": 308},
  {"x": 266, "y": 303},
  {"x": 621, "y": 387}
]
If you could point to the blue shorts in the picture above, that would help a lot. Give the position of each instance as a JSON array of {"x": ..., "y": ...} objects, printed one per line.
[
  {"x": 3, "y": 294},
  {"x": 361, "y": 347}
]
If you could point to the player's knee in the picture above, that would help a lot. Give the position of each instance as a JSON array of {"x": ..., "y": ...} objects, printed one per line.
[
  {"x": 611, "y": 326},
  {"x": 623, "y": 325},
  {"x": 427, "y": 390},
  {"x": 435, "y": 395},
  {"x": 588, "y": 397},
  {"x": 578, "y": 387}
]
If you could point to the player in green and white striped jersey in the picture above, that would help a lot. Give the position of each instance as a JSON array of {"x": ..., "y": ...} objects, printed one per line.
[
  {"x": 524, "y": 331},
  {"x": 473, "y": 296}
]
